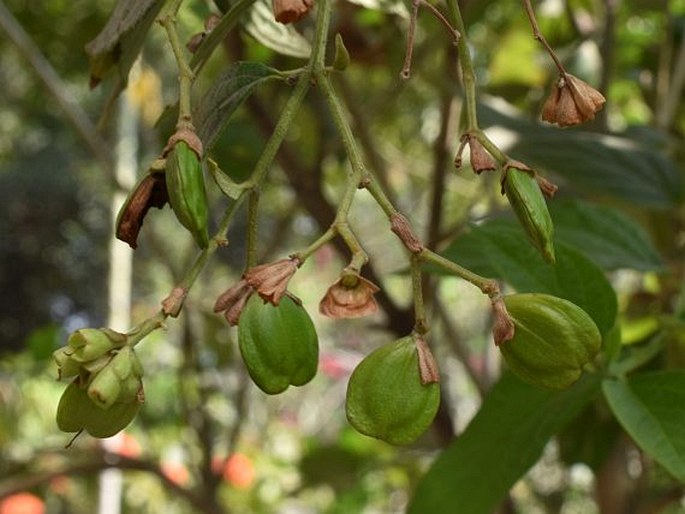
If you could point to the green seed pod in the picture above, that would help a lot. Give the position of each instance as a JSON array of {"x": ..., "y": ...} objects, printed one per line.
[
  {"x": 529, "y": 205},
  {"x": 89, "y": 344},
  {"x": 385, "y": 396},
  {"x": 278, "y": 344},
  {"x": 553, "y": 341},
  {"x": 77, "y": 412},
  {"x": 186, "y": 188}
]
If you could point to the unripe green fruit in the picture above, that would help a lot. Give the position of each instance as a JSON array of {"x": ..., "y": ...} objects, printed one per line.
[
  {"x": 278, "y": 344},
  {"x": 529, "y": 205},
  {"x": 186, "y": 188},
  {"x": 76, "y": 412},
  {"x": 554, "y": 340},
  {"x": 385, "y": 396}
]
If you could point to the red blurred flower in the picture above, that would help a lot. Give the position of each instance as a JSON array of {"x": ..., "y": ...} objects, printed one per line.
[{"x": 22, "y": 503}]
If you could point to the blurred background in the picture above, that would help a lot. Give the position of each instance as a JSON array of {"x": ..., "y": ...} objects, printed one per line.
[{"x": 207, "y": 440}]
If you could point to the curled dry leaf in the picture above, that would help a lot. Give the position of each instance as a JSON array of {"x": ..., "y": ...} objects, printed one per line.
[{"x": 151, "y": 191}]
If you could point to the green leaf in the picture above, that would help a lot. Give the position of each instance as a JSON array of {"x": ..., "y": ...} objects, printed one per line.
[
  {"x": 120, "y": 40},
  {"x": 605, "y": 235},
  {"x": 283, "y": 39},
  {"x": 505, "y": 438},
  {"x": 499, "y": 249},
  {"x": 223, "y": 181},
  {"x": 598, "y": 164},
  {"x": 651, "y": 407},
  {"x": 225, "y": 96}
]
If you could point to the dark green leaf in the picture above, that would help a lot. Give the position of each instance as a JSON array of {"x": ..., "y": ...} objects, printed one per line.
[
  {"x": 651, "y": 407},
  {"x": 121, "y": 39},
  {"x": 226, "y": 95},
  {"x": 605, "y": 235},
  {"x": 499, "y": 249},
  {"x": 505, "y": 438},
  {"x": 595, "y": 163},
  {"x": 283, "y": 39}
]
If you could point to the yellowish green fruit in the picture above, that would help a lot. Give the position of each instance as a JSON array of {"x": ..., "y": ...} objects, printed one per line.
[
  {"x": 385, "y": 396},
  {"x": 278, "y": 344},
  {"x": 553, "y": 341}
]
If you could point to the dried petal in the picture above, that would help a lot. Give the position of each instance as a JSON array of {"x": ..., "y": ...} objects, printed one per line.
[
  {"x": 548, "y": 188},
  {"x": 428, "y": 366},
  {"x": 351, "y": 296},
  {"x": 232, "y": 301},
  {"x": 480, "y": 159},
  {"x": 289, "y": 11},
  {"x": 503, "y": 328},
  {"x": 271, "y": 280}
]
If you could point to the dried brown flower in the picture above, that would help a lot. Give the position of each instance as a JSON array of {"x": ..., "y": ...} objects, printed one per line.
[
  {"x": 351, "y": 296},
  {"x": 289, "y": 11},
  {"x": 150, "y": 192},
  {"x": 232, "y": 301},
  {"x": 503, "y": 328},
  {"x": 571, "y": 102},
  {"x": 480, "y": 159},
  {"x": 548, "y": 188},
  {"x": 271, "y": 280}
]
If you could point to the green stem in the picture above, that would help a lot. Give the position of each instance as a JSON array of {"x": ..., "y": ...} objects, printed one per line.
[
  {"x": 373, "y": 187},
  {"x": 491, "y": 147},
  {"x": 303, "y": 255},
  {"x": 420, "y": 323},
  {"x": 252, "y": 227},
  {"x": 323, "y": 19},
  {"x": 138, "y": 333},
  {"x": 359, "y": 256},
  {"x": 487, "y": 285},
  {"x": 341, "y": 123},
  {"x": 466, "y": 64},
  {"x": 185, "y": 74}
]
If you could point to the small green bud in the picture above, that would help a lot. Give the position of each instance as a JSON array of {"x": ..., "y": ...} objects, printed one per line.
[
  {"x": 89, "y": 344},
  {"x": 66, "y": 366},
  {"x": 341, "y": 58},
  {"x": 105, "y": 388}
]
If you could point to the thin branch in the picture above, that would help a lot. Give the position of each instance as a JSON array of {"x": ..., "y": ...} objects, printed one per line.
[
  {"x": 98, "y": 461},
  {"x": 537, "y": 34},
  {"x": 44, "y": 70}
]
